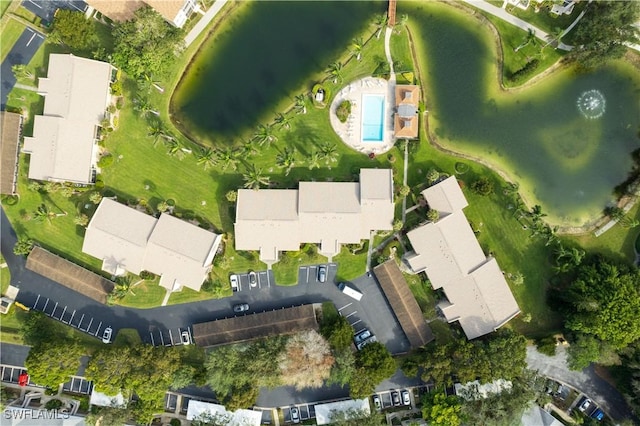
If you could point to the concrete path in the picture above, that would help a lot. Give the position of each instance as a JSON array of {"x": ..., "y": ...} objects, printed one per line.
[
  {"x": 387, "y": 51},
  {"x": 507, "y": 17},
  {"x": 404, "y": 179},
  {"x": 25, "y": 87},
  {"x": 586, "y": 381},
  {"x": 21, "y": 53},
  {"x": 204, "y": 21}
]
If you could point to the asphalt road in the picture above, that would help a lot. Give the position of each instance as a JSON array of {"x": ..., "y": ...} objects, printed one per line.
[
  {"x": 586, "y": 381},
  {"x": 20, "y": 54}
]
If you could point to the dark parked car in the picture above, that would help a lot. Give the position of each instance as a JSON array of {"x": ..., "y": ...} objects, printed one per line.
[
  {"x": 395, "y": 397},
  {"x": 597, "y": 414},
  {"x": 240, "y": 307},
  {"x": 322, "y": 273},
  {"x": 362, "y": 336}
]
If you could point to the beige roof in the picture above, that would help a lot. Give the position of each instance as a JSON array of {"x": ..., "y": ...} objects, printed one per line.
[
  {"x": 405, "y": 120},
  {"x": 406, "y": 94},
  {"x": 61, "y": 149},
  {"x": 325, "y": 213},
  {"x": 118, "y": 235},
  {"x": 128, "y": 240},
  {"x": 478, "y": 295},
  {"x": 405, "y": 127},
  {"x": 123, "y": 10},
  {"x": 403, "y": 303},
  {"x": 11, "y": 127},
  {"x": 180, "y": 252},
  {"x": 118, "y": 10},
  {"x": 445, "y": 197},
  {"x": 255, "y": 326},
  {"x": 69, "y": 274},
  {"x": 76, "y": 92}
]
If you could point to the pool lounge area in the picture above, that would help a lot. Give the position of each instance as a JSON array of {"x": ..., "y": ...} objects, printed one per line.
[{"x": 369, "y": 128}]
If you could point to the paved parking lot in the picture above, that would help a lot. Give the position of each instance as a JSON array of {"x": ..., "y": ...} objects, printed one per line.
[
  {"x": 169, "y": 337},
  {"x": 309, "y": 274},
  {"x": 306, "y": 412},
  {"x": 46, "y": 9},
  {"x": 20, "y": 54},
  {"x": 264, "y": 279},
  {"x": 60, "y": 312}
]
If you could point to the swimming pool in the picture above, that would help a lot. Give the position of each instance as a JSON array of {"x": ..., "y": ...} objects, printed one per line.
[{"x": 372, "y": 118}]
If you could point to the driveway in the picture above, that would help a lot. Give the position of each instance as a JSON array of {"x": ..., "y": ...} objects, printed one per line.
[
  {"x": 20, "y": 54},
  {"x": 586, "y": 381},
  {"x": 46, "y": 9}
]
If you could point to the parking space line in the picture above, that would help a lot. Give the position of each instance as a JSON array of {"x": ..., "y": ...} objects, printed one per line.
[
  {"x": 268, "y": 280},
  {"x": 171, "y": 337},
  {"x": 356, "y": 323},
  {"x": 90, "y": 322},
  {"x": 98, "y": 329},
  {"x": 161, "y": 338},
  {"x": 308, "y": 274},
  {"x": 347, "y": 305},
  {"x": 35, "y": 4},
  {"x": 45, "y": 305},
  {"x": 54, "y": 309},
  {"x": 153, "y": 343},
  {"x": 62, "y": 316},
  {"x": 352, "y": 313},
  {"x": 80, "y": 323},
  {"x": 72, "y": 315},
  {"x": 359, "y": 331},
  {"x": 36, "y": 304}
]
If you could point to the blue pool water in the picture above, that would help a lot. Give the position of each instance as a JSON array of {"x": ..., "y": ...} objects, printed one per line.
[{"x": 372, "y": 118}]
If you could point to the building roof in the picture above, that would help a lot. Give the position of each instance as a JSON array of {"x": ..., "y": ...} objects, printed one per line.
[
  {"x": 232, "y": 418},
  {"x": 180, "y": 252},
  {"x": 255, "y": 326},
  {"x": 404, "y": 305},
  {"x": 11, "y": 128},
  {"x": 69, "y": 274},
  {"x": 447, "y": 250},
  {"x": 60, "y": 149},
  {"x": 405, "y": 127},
  {"x": 446, "y": 197},
  {"x": 475, "y": 390},
  {"x": 406, "y": 94},
  {"x": 328, "y": 213},
  {"x": 118, "y": 235},
  {"x": 104, "y": 400},
  {"x": 168, "y": 9},
  {"x": 128, "y": 240},
  {"x": 77, "y": 93},
  {"x": 117, "y": 10},
  {"x": 326, "y": 412},
  {"x": 536, "y": 416}
]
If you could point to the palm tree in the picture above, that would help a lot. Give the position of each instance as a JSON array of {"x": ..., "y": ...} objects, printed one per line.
[
  {"x": 157, "y": 131},
  {"x": 227, "y": 158},
  {"x": 43, "y": 213},
  {"x": 531, "y": 36},
  {"x": 143, "y": 106},
  {"x": 265, "y": 135},
  {"x": 554, "y": 36},
  {"x": 249, "y": 148},
  {"x": 357, "y": 46},
  {"x": 146, "y": 82},
  {"x": 175, "y": 148},
  {"x": 335, "y": 71},
  {"x": 314, "y": 160},
  {"x": 253, "y": 178},
  {"x": 536, "y": 213},
  {"x": 21, "y": 72},
  {"x": 205, "y": 157},
  {"x": 329, "y": 152},
  {"x": 283, "y": 121},
  {"x": 401, "y": 22},
  {"x": 380, "y": 22},
  {"x": 301, "y": 104},
  {"x": 286, "y": 160}
]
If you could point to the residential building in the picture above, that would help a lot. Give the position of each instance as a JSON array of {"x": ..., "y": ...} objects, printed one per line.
[
  {"x": 64, "y": 142},
  {"x": 407, "y": 98},
  {"x": 10, "y": 133},
  {"x": 128, "y": 240},
  {"x": 478, "y": 295},
  {"x": 326, "y": 213},
  {"x": 176, "y": 12}
]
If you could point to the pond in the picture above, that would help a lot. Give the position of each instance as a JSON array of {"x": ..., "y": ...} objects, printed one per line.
[
  {"x": 567, "y": 152},
  {"x": 262, "y": 53}
]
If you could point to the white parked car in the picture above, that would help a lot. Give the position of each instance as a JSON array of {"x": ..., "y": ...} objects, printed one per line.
[
  {"x": 106, "y": 335},
  {"x": 186, "y": 338},
  {"x": 234, "y": 282}
]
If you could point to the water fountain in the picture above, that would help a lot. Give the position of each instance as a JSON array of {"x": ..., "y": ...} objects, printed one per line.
[{"x": 592, "y": 104}]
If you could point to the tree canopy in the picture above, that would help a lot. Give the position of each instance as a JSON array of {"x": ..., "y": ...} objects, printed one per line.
[
  {"x": 373, "y": 364},
  {"x": 51, "y": 363},
  {"x": 75, "y": 30},
  {"x": 306, "y": 360},
  {"x": 441, "y": 410},
  {"x": 601, "y": 34},
  {"x": 146, "y": 45},
  {"x": 604, "y": 302}
]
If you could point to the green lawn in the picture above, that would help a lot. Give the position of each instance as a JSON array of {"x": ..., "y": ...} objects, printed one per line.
[
  {"x": 286, "y": 270},
  {"x": 350, "y": 266},
  {"x": 9, "y": 35},
  {"x": 145, "y": 295},
  {"x": 4, "y": 5},
  {"x": 11, "y": 324},
  {"x": 543, "y": 19},
  {"x": 5, "y": 277},
  {"x": 423, "y": 293}
]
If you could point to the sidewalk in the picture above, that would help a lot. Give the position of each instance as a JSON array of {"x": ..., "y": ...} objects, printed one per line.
[{"x": 204, "y": 21}]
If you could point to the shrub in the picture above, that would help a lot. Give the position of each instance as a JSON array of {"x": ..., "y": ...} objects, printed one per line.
[
  {"x": 482, "y": 186},
  {"x": 146, "y": 275},
  {"x": 461, "y": 168},
  {"x": 10, "y": 200},
  {"x": 433, "y": 215},
  {"x": 175, "y": 422},
  {"x": 546, "y": 345},
  {"x": 116, "y": 88},
  {"x": 53, "y": 404},
  {"x": 105, "y": 161},
  {"x": 524, "y": 72},
  {"x": 343, "y": 111}
]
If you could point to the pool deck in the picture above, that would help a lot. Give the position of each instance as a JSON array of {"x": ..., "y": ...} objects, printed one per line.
[{"x": 351, "y": 131}]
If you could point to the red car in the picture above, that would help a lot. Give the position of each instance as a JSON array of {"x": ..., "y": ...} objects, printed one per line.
[{"x": 23, "y": 379}]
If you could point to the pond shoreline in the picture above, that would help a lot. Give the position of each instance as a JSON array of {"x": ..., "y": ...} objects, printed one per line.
[{"x": 588, "y": 226}]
